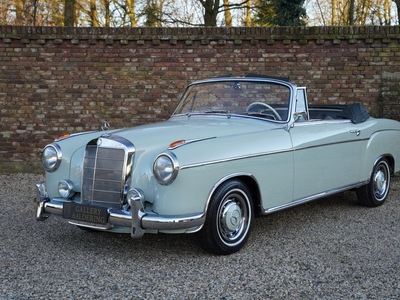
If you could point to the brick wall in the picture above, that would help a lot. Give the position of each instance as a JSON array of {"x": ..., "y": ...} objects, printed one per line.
[{"x": 55, "y": 80}]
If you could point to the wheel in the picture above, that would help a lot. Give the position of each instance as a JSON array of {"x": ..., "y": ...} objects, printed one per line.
[
  {"x": 260, "y": 107},
  {"x": 375, "y": 192},
  {"x": 229, "y": 219}
]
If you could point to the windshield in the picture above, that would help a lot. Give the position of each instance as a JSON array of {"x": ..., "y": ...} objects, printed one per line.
[{"x": 247, "y": 98}]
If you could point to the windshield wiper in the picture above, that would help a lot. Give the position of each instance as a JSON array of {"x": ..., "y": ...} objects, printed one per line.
[{"x": 217, "y": 111}]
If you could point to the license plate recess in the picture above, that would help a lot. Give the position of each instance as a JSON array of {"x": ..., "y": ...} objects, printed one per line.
[{"x": 85, "y": 213}]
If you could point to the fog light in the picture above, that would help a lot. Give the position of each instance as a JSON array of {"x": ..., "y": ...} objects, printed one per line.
[{"x": 66, "y": 188}]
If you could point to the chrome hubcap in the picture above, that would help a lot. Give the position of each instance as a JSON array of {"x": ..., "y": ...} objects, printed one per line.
[
  {"x": 380, "y": 182},
  {"x": 233, "y": 217}
]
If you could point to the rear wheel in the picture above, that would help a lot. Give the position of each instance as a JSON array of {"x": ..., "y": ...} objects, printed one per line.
[
  {"x": 229, "y": 219},
  {"x": 375, "y": 192}
]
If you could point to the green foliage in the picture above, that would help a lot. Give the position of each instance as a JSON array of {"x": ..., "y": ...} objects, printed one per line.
[
  {"x": 289, "y": 13},
  {"x": 280, "y": 13},
  {"x": 265, "y": 13}
]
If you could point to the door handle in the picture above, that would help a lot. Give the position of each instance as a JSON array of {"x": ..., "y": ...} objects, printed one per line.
[{"x": 356, "y": 131}]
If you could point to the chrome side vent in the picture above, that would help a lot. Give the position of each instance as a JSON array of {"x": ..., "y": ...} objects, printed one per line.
[{"x": 106, "y": 168}]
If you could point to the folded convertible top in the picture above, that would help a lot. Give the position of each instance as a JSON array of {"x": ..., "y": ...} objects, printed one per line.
[{"x": 354, "y": 112}]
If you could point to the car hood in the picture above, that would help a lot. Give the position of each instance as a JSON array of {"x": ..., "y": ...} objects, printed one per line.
[
  {"x": 208, "y": 138},
  {"x": 161, "y": 135}
]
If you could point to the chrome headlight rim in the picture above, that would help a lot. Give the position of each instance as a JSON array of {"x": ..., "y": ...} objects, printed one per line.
[
  {"x": 51, "y": 157},
  {"x": 166, "y": 168}
]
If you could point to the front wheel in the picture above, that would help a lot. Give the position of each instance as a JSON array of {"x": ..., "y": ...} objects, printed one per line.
[
  {"x": 375, "y": 192},
  {"x": 229, "y": 219}
]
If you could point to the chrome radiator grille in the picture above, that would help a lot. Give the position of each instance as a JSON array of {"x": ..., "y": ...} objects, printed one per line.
[{"x": 104, "y": 173}]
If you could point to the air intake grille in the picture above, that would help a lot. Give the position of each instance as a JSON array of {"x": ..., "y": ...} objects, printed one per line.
[{"x": 103, "y": 175}]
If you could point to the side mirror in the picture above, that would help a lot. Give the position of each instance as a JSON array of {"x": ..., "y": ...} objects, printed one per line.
[
  {"x": 300, "y": 116},
  {"x": 297, "y": 116}
]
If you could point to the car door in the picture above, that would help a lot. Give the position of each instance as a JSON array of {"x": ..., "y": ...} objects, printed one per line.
[{"x": 327, "y": 156}]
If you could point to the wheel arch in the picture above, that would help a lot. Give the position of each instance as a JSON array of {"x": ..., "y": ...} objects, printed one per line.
[
  {"x": 390, "y": 160},
  {"x": 246, "y": 178},
  {"x": 375, "y": 192}
]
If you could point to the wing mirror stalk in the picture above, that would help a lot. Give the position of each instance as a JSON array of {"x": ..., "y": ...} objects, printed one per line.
[{"x": 296, "y": 116}]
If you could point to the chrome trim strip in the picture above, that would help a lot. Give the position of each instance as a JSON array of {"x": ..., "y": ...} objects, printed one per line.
[
  {"x": 212, "y": 162},
  {"x": 53, "y": 208},
  {"x": 92, "y": 226},
  {"x": 313, "y": 197},
  {"x": 172, "y": 222},
  {"x": 314, "y": 122},
  {"x": 120, "y": 217},
  {"x": 330, "y": 144}
]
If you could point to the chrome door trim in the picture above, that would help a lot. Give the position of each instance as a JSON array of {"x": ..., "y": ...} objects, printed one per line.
[{"x": 313, "y": 197}]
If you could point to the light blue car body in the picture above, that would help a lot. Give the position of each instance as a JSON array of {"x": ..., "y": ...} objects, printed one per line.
[{"x": 282, "y": 162}]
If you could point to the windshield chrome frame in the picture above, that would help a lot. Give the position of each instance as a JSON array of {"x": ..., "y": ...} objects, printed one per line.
[{"x": 292, "y": 89}]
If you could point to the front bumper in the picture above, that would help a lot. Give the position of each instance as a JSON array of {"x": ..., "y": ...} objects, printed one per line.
[{"x": 136, "y": 218}]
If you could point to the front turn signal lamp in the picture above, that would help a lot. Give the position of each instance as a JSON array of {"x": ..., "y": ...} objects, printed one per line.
[
  {"x": 176, "y": 144},
  {"x": 62, "y": 136}
]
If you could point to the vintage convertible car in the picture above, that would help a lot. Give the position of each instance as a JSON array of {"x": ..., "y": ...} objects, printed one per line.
[{"x": 234, "y": 147}]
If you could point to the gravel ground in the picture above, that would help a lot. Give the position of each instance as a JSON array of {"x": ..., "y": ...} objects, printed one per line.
[{"x": 328, "y": 249}]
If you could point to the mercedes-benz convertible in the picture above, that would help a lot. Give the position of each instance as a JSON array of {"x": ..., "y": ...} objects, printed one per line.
[{"x": 234, "y": 147}]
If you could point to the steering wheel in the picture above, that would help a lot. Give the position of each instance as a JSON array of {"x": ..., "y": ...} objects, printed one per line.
[{"x": 253, "y": 106}]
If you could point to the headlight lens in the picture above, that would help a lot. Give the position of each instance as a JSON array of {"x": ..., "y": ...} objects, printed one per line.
[
  {"x": 51, "y": 157},
  {"x": 166, "y": 168},
  {"x": 66, "y": 188}
]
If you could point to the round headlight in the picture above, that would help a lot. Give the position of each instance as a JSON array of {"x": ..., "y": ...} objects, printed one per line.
[
  {"x": 166, "y": 168},
  {"x": 66, "y": 188},
  {"x": 51, "y": 157}
]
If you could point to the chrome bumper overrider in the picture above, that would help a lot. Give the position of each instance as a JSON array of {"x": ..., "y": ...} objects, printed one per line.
[{"x": 137, "y": 219}]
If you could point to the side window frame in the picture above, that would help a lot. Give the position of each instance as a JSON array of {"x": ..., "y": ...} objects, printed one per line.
[{"x": 301, "y": 108}]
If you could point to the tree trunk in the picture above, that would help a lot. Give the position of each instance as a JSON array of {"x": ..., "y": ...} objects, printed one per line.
[
  {"x": 334, "y": 22},
  {"x": 69, "y": 13},
  {"x": 93, "y": 14},
  {"x": 210, "y": 12},
  {"x": 107, "y": 15},
  {"x": 247, "y": 21},
  {"x": 351, "y": 13},
  {"x": 228, "y": 15},
  {"x": 131, "y": 12},
  {"x": 19, "y": 12}
]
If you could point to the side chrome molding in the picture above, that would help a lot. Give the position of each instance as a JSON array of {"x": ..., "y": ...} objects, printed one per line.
[{"x": 312, "y": 198}]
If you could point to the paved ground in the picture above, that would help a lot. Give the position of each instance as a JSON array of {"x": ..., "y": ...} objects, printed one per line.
[{"x": 329, "y": 249}]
